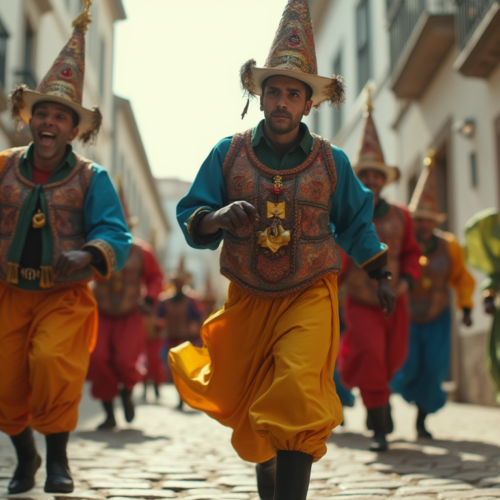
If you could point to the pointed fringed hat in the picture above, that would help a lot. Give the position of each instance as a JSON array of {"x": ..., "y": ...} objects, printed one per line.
[
  {"x": 131, "y": 220},
  {"x": 424, "y": 202},
  {"x": 370, "y": 155},
  {"x": 63, "y": 84},
  {"x": 293, "y": 54}
]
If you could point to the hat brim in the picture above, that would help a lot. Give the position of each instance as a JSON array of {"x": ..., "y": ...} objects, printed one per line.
[
  {"x": 427, "y": 214},
  {"x": 30, "y": 97},
  {"x": 318, "y": 84},
  {"x": 391, "y": 174}
]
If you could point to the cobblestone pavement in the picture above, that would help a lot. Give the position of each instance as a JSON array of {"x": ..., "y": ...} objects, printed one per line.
[{"x": 168, "y": 454}]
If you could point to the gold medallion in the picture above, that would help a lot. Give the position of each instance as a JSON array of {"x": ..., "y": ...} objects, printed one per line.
[
  {"x": 275, "y": 210},
  {"x": 38, "y": 221}
]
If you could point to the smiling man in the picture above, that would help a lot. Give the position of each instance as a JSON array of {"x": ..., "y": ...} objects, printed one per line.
[
  {"x": 281, "y": 199},
  {"x": 60, "y": 223}
]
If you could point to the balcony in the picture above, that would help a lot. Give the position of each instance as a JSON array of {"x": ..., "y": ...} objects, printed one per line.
[
  {"x": 421, "y": 34},
  {"x": 478, "y": 26}
]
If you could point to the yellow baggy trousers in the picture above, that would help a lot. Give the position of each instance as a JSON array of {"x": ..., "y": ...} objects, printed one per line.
[
  {"x": 45, "y": 343},
  {"x": 266, "y": 370}
]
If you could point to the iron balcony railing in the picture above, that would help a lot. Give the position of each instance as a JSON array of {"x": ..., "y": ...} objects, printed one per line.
[
  {"x": 27, "y": 77},
  {"x": 403, "y": 17},
  {"x": 470, "y": 13}
]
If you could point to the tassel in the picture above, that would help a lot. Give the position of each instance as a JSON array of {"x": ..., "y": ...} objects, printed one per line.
[
  {"x": 13, "y": 273},
  {"x": 46, "y": 277},
  {"x": 245, "y": 111},
  {"x": 83, "y": 20}
]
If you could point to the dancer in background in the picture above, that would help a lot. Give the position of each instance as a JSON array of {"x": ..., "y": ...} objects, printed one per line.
[
  {"x": 443, "y": 267},
  {"x": 373, "y": 346}
]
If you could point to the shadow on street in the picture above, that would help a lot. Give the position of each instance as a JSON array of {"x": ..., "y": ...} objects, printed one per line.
[{"x": 117, "y": 439}]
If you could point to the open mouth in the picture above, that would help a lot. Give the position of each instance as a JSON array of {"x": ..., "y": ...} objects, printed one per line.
[{"x": 47, "y": 138}]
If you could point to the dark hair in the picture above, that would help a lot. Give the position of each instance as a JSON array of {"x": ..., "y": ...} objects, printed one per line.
[
  {"x": 76, "y": 117},
  {"x": 309, "y": 90}
]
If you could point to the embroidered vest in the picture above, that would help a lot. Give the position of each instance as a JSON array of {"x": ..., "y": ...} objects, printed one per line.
[
  {"x": 430, "y": 296},
  {"x": 180, "y": 326},
  {"x": 390, "y": 230},
  {"x": 120, "y": 294},
  {"x": 309, "y": 250},
  {"x": 65, "y": 201}
]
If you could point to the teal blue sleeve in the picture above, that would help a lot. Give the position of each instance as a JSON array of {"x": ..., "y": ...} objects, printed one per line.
[
  {"x": 351, "y": 214},
  {"x": 208, "y": 191},
  {"x": 105, "y": 224}
]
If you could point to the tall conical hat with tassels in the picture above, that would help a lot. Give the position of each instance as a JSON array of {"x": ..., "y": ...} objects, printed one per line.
[
  {"x": 370, "y": 155},
  {"x": 424, "y": 202},
  {"x": 293, "y": 54},
  {"x": 63, "y": 84}
]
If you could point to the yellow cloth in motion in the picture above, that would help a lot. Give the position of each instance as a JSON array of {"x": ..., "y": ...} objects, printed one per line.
[
  {"x": 45, "y": 343},
  {"x": 266, "y": 370}
]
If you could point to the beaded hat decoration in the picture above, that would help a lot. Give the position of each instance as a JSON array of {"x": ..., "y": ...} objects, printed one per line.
[
  {"x": 293, "y": 54},
  {"x": 370, "y": 155},
  {"x": 424, "y": 202},
  {"x": 63, "y": 83}
]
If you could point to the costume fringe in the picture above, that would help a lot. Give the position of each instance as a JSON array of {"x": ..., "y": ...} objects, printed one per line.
[
  {"x": 245, "y": 111},
  {"x": 91, "y": 135},
  {"x": 83, "y": 20},
  {"x": 13, "y": 273},
  {"x": 46, "y": 277},
  {"x": 335, "y": 92},
  {"x": 16, "y": 101},
  {"x": 246, "y": 78}
]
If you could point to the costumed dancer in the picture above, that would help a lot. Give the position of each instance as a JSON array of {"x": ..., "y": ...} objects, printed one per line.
[
  {"x": 61, "y": 222},
  {"x": 374, "y": 347},
  {"x": 182, "y": 313},
  {"x": 273, "y": 195},
  {"x": 155, "y": 347},
  {"x": 124, "y": 300},
  {"x": 443, "y": 267},
  {"x": 483, "y": 253}
]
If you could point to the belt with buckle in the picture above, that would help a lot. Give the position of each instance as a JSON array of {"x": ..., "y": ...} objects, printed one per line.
[{"x": 30, "y": 274}]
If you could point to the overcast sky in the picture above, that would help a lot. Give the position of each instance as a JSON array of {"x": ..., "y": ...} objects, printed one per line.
[{"x": 178, "y": 61}]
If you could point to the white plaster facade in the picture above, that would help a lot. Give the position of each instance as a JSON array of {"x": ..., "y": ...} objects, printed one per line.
[{"x": 409, "y": 128}]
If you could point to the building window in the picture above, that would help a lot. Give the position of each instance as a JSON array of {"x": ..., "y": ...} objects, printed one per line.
[
  {"x": 4, "y": 35},
  {"x": 474, "y": 180},
  {"x": 26, "y": 74},
  {"x": 363, "y": 48},
  {"x": 338, "y": 114},
  {"x": 102, "y": 68}
]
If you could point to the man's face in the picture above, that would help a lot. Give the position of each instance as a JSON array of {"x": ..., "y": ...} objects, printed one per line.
[
  {"x": 373, "y": 180},
  {"x": 284, "y": 103},
  {"x": 424, "y": 228},
  {"x": 52, "y": 128}
]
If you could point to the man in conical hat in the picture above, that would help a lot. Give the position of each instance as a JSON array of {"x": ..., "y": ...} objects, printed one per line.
[
  {"x": 61, "y": 224},
  {"x": 443, "y": 267},
  {"x": 275, "y": 194},
  {"x": 373, "y": 346},
  {"x": 125, "y": 300}
]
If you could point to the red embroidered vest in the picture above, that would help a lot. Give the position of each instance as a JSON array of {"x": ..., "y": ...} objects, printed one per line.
[
  {"x": 307, "y": 192},
  {"x": 390, "y": 230},
  {"x": 65, "y": 201},
  {"x": 120, "y": 294},
  {"x": 430, "y": 295}
]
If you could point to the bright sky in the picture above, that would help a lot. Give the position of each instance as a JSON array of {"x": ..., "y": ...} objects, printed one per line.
[{"x": 178, "y": 61}]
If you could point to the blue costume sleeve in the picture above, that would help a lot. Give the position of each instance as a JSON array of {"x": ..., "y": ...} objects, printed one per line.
[
  {"x": 105, "y": 224},
  {"x": 351, "y": 214},
  {"x": 208, "y": 192}
]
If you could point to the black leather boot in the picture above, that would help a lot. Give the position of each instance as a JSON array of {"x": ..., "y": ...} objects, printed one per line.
[
  {"x": 128, "y": 404},
  {"x": 110, "y": 422},
  {"x": 266, "y": 479},
  {"x": 421, "y": 429},
  {"x": 59, "y": 478},
  {"x": 293, "y": 473},
  {"x": 389, "y": 421},
  {"x": 378, "y": 419},
  {"x": 28, "y": 462}
]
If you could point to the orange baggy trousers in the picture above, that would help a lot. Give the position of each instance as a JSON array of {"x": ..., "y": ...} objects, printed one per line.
[{"x": 45, "y": 343}]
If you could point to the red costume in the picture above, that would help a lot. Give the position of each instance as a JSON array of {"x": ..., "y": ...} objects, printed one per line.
[{"x": 122, "y": 339}]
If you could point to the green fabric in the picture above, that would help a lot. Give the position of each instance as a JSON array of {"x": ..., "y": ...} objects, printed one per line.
[
  {"x": 31, "y": 202},
  {"x": 381, "y": 209},
  {"x": 491, "y": 282},
  {"x": 268, "y": 156},
  {"x": 429, "y": 246},
  {"x": 493, "y": 354}
]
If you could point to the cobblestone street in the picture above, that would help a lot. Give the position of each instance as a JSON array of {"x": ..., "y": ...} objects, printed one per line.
[{"x": 168, "y": 454}]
